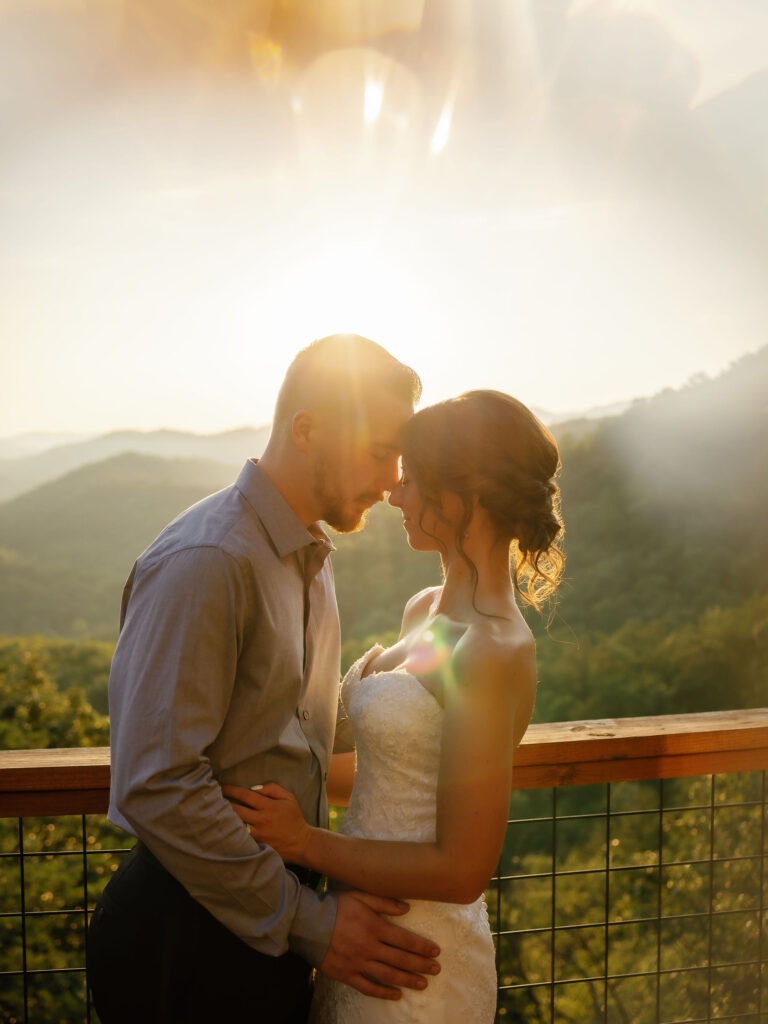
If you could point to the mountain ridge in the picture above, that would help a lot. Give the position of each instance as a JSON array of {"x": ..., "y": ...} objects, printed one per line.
[
  {"x": 18, "y": 476},
  {"x": 26, "y": 469}
]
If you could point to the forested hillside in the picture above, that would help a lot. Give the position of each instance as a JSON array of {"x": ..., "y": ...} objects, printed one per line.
[
  {"x": 67, "y": 547},
  {"x": 664, "y": 506},
  {"x": 664, "y": 512}
]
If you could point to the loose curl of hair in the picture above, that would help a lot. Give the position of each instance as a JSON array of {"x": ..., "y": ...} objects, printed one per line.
[{"x": 489, "y": 446}]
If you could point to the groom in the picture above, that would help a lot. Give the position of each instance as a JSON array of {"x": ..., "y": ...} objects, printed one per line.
[{"x": 226, "y": 671}]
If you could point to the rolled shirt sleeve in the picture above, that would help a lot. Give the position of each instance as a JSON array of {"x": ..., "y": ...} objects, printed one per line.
[{"x": 188, "y": 619}]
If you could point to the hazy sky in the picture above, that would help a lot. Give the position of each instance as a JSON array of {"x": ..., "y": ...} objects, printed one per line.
[{"x": 566, "y": 200}]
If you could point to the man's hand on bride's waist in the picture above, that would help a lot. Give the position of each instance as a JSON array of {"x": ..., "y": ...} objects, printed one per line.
[{"x": 272, "y": 816}]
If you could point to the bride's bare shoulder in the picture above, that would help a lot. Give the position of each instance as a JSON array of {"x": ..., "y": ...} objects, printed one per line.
[
  {"x": 497, "y": 656},
  {"x": 417, "y": 609}
]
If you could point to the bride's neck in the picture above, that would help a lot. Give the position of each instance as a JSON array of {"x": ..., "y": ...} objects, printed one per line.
[{"x": 460, "y": 598}]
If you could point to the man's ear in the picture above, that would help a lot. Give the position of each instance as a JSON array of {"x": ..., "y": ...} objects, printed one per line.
[{"x": 302, "y": 429}]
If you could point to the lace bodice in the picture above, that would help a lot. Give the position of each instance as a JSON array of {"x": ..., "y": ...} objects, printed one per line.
[
  {"x": 398, "y": 731},
  {"x": 398, "y": 728}
]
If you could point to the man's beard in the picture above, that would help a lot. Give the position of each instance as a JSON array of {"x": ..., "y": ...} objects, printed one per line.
[
  {"x": 345, "y": 522},
  {"x": 339, "y": 513}
]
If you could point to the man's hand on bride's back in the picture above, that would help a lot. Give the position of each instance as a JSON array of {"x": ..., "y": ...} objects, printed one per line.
[{"x": 373, "y": 955}]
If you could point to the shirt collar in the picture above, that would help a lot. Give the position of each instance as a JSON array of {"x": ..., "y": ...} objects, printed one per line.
[{"x": 285, "y": 529}]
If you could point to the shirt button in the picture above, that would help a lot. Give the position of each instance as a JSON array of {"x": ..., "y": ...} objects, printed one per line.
[{"x": 305, "y": 715}]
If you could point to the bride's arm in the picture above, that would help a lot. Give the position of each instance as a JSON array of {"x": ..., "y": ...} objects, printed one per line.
[
  {"x": 340, "y": 779},
  {"x": 489, "y": 681}
]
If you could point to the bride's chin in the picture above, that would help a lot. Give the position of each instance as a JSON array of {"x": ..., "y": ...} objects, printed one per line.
[{"x": 420, "y": 543}]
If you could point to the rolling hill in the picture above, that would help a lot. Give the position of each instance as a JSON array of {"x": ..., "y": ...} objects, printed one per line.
[
  {"x": 18, "y": 475},
  {"x": 67, "y": 546}
]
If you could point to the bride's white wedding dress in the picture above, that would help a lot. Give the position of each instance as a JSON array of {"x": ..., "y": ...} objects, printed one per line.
[{"x": 398, "y": 729}]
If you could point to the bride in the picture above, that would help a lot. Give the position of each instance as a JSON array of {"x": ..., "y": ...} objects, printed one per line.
[{"x": 437, "y": 715}]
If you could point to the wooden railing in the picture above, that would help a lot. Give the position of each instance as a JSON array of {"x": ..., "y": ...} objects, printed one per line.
[{"x": 76, "y": 781}]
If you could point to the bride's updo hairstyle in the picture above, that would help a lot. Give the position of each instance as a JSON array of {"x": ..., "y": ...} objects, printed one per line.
[{"x": 489, "y": 446}]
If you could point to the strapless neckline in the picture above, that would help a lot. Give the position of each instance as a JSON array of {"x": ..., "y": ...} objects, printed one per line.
[{"x": 366, "y": 659}]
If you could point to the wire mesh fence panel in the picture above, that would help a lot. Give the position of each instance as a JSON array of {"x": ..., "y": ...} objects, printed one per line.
[
  {"x": 636, "y": 902},
  {"x": 617, "y": 903}
]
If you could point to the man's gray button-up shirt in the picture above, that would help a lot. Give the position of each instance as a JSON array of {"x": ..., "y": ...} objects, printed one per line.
[{"x": 210, "y": 667}]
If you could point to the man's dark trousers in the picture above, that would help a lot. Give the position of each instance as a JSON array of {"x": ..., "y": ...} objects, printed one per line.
[{"x": 156, "y": 956}]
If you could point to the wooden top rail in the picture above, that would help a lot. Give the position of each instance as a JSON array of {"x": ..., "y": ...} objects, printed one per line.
[
  {"x": 76, "y": 780},
  {"x": 628, "y": 749}
]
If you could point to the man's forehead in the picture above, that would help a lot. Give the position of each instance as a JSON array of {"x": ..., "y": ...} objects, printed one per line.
[
  {"x": 384, "y": 429},
  {"x": 376, "y": 422},
  {"x": 385, "y": 414}
]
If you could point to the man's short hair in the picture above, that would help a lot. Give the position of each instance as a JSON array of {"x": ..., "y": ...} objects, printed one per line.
[{"x": 336, "y": 374}]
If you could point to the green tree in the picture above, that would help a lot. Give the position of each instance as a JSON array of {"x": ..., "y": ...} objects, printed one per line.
[{"x": 35, "y": 714}]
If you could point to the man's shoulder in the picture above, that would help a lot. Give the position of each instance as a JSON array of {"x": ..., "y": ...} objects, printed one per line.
[{"x": 220, "y": 521}]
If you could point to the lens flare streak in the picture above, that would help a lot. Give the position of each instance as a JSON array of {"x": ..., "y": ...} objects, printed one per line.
[
  {"x": 442, "y": 129},
  {"x": 374, "y": 96}
]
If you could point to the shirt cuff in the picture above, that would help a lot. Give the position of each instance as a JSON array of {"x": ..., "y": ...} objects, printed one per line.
[{"x": 313, "y": 924}]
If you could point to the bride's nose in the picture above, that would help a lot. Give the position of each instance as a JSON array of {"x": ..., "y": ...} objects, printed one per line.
[{"x": 394, "y": 497}]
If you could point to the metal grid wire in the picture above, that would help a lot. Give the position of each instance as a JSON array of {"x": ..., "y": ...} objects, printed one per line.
[
  {"x": 663, "y": 922},
  {"x": 623, "y": 903},
  {"x": 58, "y": 861}
]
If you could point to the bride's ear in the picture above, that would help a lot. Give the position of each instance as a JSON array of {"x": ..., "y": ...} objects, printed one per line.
[{"x": 452, "y": 507}]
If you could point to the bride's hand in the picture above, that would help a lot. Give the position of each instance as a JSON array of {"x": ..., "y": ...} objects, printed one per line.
[{"x": 273, "y": 817}]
